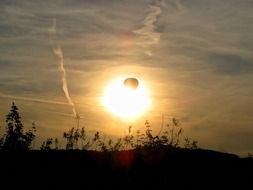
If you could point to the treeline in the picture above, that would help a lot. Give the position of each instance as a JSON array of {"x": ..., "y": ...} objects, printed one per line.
[{"x": 16, "y": 139}]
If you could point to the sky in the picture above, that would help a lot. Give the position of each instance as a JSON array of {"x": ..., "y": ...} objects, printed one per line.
[{"x": 195, "y": 57}]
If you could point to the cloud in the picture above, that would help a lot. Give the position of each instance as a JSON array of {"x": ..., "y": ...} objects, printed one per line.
[
  {"x": 147, "y": 35},
  {"x": 58, "y": 52},
  {"x": 201, "y": 66},
  {"x": 5, "y": 96},
  {"x": 230, "y": 64}
]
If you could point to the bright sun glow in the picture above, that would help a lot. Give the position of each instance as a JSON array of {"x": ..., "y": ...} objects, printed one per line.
[{"x": 126, "y": 102}]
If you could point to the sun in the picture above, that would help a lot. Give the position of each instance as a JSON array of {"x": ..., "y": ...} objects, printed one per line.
[{"x": 124, "y": 101}]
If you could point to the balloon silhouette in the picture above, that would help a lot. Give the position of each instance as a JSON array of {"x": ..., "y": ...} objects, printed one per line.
[{"x": 131, "y": 83}]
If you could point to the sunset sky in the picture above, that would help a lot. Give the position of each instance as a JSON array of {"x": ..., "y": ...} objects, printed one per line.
[{"x": 195, "y": 57}]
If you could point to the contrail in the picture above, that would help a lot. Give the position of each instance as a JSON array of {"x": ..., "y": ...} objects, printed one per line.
[
  {"x": 146, "y": 34},
  {"x": 5, "y": 96},
  {"x": 59, "y": 53}
]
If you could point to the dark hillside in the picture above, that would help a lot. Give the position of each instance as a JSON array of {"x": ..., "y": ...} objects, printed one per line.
[{"x": 169, "y": 167}]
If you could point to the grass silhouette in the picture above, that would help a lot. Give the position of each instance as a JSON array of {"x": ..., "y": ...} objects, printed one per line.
[{"x": 140, "y": 160}]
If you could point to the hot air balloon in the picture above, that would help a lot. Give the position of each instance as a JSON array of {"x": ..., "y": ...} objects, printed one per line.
[{"x": 131, "y": 83}]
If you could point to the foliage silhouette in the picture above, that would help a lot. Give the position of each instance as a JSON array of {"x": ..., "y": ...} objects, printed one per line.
[
  {"x": 73, "y": 136},
  {"x": 190, "y": 144},
  {"x": 16, "y": 139},
  {"x": 169, "y": 138},
  {"x": 46, "y": 145},
  {"x": 128, "y": 139},
  {"x": 141, "y": 159},
  {"x": 98, "y": 143},
  {"x": 56, "y": 142}
]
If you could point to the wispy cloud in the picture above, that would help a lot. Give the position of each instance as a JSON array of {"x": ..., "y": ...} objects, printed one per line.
[
  {"x": 37, "y": 100},
  {"x": 147, "y": 34},
  {"x": 58, "y": 52},
  {"x": 201, "y": 66},
  {"x": 230, "y": 64}
]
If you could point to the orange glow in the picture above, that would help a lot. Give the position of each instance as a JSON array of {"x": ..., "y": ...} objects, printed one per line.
[{"x": 126, "y": 102}]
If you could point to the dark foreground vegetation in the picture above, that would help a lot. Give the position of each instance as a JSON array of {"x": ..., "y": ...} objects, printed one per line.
[
  {"x": 144, "y": 168},
  {"x": 140, "y": 161}
]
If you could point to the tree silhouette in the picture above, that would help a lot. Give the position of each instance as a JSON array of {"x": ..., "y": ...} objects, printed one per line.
[{"x": 16, "y": 138}]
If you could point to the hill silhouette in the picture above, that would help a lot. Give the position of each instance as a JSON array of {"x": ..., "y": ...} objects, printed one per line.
[
  {"x": 141, "y": 161},
  {"x": 143, "y": 168}
]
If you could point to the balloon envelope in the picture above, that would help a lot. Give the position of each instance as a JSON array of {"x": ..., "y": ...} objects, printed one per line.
[{"x": 131, "y": 83}]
